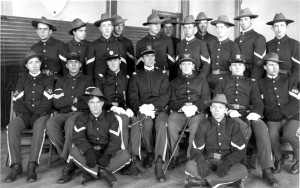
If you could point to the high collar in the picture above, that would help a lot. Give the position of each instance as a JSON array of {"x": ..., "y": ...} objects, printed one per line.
[
  {"x": 75, "y": 43},
  {"x": 269, "y": 78},
  {"x": 215, "y": 122},
  {"x": 237, "y": 77},
  {"x": 187, "y": 76},
  {"x": 246, "y": 31},
  {"x": 38, "y": 75},
  {"x": 283, "y": 39},
  {"x": 101, "y": 116},
  {"x": 189, "y": 38},
  {"x": 154, "y": 37},
  {"x": 49, "y": 41},
  {"x": 76, "y": 76},
  {"x": 149, "y": 68},
  {"x": 119, "y": 37},
  {"x": 114, "y": 74},
  {"x": 111, "y": 38},
  {"x": 224, "y": 41}
]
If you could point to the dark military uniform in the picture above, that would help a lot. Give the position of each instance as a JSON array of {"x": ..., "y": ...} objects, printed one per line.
[
  {"x": 217, "y": 142},
  {"x": 81, "y": 49},
  {"x": 207, "y": 38},
  {"x": 288, "y": 51},
  {"x": 164, "y": 50},
  {"x": 280, "y": 94},
  {"x": 66, "y": 89},
  {"x": 101, "y": 134},
  {"x": 55, "y": 52},
  {"x": 253, "y": 48},
  {"x": 96, "y": 63},
  {"x": 244, "y": 94},
  {"x": 175, "y": 41},
  {"x": 32, "y": 103},
  {"x": 189, "y": 90},
  {"x": 150, "y": 87}
]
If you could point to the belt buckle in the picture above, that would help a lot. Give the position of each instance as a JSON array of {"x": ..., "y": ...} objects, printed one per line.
[
  {"x": 217, "y": 156},
  {"x": 236, "y": 106},
  {"x": 97, "y": 147},
  {"x": 188, "y": 104},
  {"x": 115, "y": 104}
]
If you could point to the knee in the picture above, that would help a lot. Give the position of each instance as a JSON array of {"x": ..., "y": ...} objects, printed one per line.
[{"x": 190, "y": 167}]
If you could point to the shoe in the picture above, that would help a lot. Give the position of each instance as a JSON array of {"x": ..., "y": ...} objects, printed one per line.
[
  {"x": 158, "y": 171},
  {"x": 17, "y": 170},
  {"x": 195, "y": 182},
  {"x": 238, "y": 184},
  {"x": 132, "y": 170},
  {"x": 67, "y": 174},
  {"x": 267, "y": 175},
  {"x": 174, "y": 163},
  {"x": 149, "y": 160},
  {"x": 86, "y": 177},
  {"x": 277, "y": 167},
  {"x": 295, "y": 168},
  {"x": 31, "y": 176},
  {"x": 107, "y": 175}
]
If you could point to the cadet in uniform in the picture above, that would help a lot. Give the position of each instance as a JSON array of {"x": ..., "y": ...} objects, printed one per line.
[
  {"x": 281, "y": 100},
  {"x": 149, "y": 93},
  {"x": 97, "y": 141},
  {"x": 32, "y": 101},
  {"x": 69, "y": 102},
  {"x": 244, "y": 95},
  {"x": 79, "y": 44},
  {"x": 202, "y": 24},
  {"x": 54, "y": 50},
  {"x": 286, "y": 47},
  {"x": 188, "y": 92},
  {"x": 218, "y": 146},
  {"x": 251, "y": 43},
  {"x": 96, "y": 63},
  {"x": 119, "y": 24},
  {"x": 168, "y": 27}
]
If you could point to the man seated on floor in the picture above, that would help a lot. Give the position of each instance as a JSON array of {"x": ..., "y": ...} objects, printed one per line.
[
  {"x": 218, "y": 146},
  {"x": 97, "y": 141}
]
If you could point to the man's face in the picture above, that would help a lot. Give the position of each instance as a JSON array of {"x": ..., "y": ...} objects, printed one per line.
[
  {"x": 237, "y": 69},
  {"x": 187, "y": 67},
  {"x": 43, "y": 30},
  {"x": 188, "y": 30},
  {"x": 272, "y": 68},
  {"x": 202, "y": 26},
  {"x": 154, "y": 29},
  {"x": 95, "y": 105},
  {"x": 279, "y": 29},
  {"x": 114, "y": 64},
  {"x": 246, "y": 23},
  {"x": 222, "y": 30},
  {"x": 149, "y": 60},
  {"x": 73, "y": 66},
  {"x": 168, "y": 29},
  {"x": 118, "y": 29},
  {"x": 218, "y": 110},
  {"x": 33, "y": 65},
  {"x": 106, "y": 29},
  {"x": 80, "y": 34}
]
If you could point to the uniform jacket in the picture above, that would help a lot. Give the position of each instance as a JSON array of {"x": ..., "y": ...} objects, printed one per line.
[
  {"x": 70, "y": 87},
  {"x": 253, "y": 48},
  {"x": 149, "y": 87},
  {"x": 280, "y": 94},
  {"x": 103, "y": 131},
  {"x": 206, "y": 38},
  {"x": 33, "y": 94},
  {"x": 55, "y": 53},
  {"x": 175, "y": 41}
]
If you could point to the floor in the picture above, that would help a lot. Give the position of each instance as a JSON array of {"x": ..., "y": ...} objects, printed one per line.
[{"x": 47, "y": 176}]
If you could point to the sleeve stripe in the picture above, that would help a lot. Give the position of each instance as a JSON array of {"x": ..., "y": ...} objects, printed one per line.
[
  {"x": 199, "y": 148},
  {"x": 62, "y": 58},
  {"x": 19, "y": 96},
  {"x": 295, "y": 60},
  {"x": 205, "y": 59},
  {"x": 124, "y": 60},
  {"x": 260, "y": 56},
  {"x": 90, "y": 60},
  {"x": 171, "y": 58},
  {"x": 48, "y": 95},
  {"x": 58, "y": 96},
  {"x": 138, "y": 61},
  {"x": 88, "y": 89},
  {"x": 129, "y": 55},
  {"x": 78, "y": 130},
  {"x": 295, "y": 95},
  {"x": 238, "y": 147},
  {"x": 177, "y": 57},
  {"x": 114, "y": 132}
]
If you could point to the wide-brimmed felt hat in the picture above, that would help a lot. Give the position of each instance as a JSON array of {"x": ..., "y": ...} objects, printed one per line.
[
  {"x": 219, "y": 98},
  {"x": 43, "y": 20},
  {"x": 202, "y": 16},
  {"x": 96, "y": 92},
  {"x": 147, "y": 50},
  {"x": 186, "y": 57},
  {"x": 111, "y": 55},
  {"x": 245, "y": 13},
  {"x": 222, "y": 19},
  {"x": 271, "y": 56},
  {"x": 279, "y": 17},
  {"x": 73, "y": 56},
  {"x": 77, "y": 23},
  {"x": 169, "y": 20},
  {"x": 31, "y": 54},
  {"x": 238, "y": 59},
  {"x": 104, "y": 17},
  {"x": 116, "y": 20},
  {"x": 188, "y": 20},
  {"x": 153, "y": 19}
]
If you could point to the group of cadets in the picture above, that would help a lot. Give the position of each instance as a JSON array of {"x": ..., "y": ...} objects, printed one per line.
[{"x": 99, "y": 103}]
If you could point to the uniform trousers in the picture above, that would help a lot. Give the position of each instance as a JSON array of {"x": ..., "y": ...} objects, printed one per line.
[
  {"x": 117, "y": 162},
  {"x": 123, "y": 120},
  {"x": 62, "y": 141},
  {"x": 237, "y": 172},
  {"x": 14, "y": 129},
  {"x": 176, "y": 122},
  {"x": 289, "y": 129}
]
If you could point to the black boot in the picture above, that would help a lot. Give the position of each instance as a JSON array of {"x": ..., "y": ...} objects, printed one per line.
[
  {"x": 295, "y": 168},
  {"x": 174, "y": 163},
  {"x": 107, "y": 175},
  {"x": 277, "y": 166},
  {"x": 67, "y": 173},
  {"x": 17, "y": 170},
  {"x": 86, "y": 177},
  {"x": 158, "y": 171},
  {"x": 268, "y": 175},
  {"x": 132, "y": 170},
  {"x": 149, "y": 160},
  {"x": 31, "y": 176},
  {"x": 195, "y": 182}
]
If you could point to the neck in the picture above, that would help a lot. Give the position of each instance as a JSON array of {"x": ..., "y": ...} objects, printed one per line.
[
  {"x": 77, "y": 40},
  {"x": 190, "y": 38},
  {"x": 117, "y": 71},
  {"x": 45, "y": 40},
  {"x": 97, "y": 114},
  {"x": 116, "y": 35},
  {"x": 202, "y": 33},
  {"x": 247, "y": 29},
  {"x": 272, "y": 77},
  {"x": 73, "y": 73},
  {"x": 219, "y": 119},
  {"x": 222, "y": 38},
  {"x": 149, "y": 68},
  {"x": 280, "y": 37},
  {"x": 106, "y": 37},
  {"x": 34, "y": 75}
]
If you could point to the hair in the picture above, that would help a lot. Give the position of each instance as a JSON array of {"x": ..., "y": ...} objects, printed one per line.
[{"x": 92, "y": 96}]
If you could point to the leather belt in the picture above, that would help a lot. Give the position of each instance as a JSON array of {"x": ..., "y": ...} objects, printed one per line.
[
  {"x": 218, "y": 71},
  {"x": 49, "y": 72},
  {"x": 284, "y": 72},
  {"x": 97, "y": 147},
  {"x": 241, "y": 107}
]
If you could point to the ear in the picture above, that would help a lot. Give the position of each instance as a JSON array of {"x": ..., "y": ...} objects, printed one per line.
[
  {"x": 26, "y": 65},
  {"x": 265, "y": 67},
  {"x": 230, "y": 68},
  {"x": 67, "y": 65},
  {"x": 50, "y": 32},
  {"x": 193, "y": 67}
]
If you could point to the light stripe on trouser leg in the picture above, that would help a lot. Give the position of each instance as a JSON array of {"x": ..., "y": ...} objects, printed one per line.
[
  {"x": 121, "y": 131},
  {"x": 41, "y": 147},
  {"x": 166, "y": 145},
  {"x": 9, "y": 155},
  {"x": 83, "y": 167}
]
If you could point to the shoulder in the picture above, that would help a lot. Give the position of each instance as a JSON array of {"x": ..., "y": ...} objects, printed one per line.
[{"x": 83, "y": 118}]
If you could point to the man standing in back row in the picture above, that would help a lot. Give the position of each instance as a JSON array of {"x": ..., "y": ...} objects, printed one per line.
[{"x": 202, "y": 25}]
